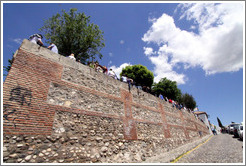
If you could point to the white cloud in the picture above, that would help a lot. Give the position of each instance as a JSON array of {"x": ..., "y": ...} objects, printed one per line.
[
  {"x": 164, "y": 69},
  {"x": 118, "y": 70},
  {"x": 148, "y": 51},
  {"x": 122, "y": 42},
  {"x": 17, "y": 40},
  {"x": 218, "y": 47}
]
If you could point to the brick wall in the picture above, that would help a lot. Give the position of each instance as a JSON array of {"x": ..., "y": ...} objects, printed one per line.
[{"x": 47, "y": 95}]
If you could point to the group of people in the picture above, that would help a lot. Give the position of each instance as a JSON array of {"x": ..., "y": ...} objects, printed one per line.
[
  {"x": 174, "y": 103},
  {"x": 178, "y": 106},
  {"x": 37, "y": 39},
  {"x": 98, "y": 67},
  {"x": 111, "y": 73}
]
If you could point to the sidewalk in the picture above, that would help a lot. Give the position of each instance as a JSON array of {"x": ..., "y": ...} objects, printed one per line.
[{"x": 173, "y": 154}]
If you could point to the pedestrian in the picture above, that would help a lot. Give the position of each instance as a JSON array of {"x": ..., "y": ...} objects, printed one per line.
[
  {"x": 53, "y": 48},
  {"x": 37, "y": 39},
  {"x": 214, "y": 131},
  {"x": 71, "y": 56}
]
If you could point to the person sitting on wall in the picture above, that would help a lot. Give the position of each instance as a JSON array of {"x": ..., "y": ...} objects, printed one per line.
[
  {"x": 105, "y": 70},
  {"x": 177, "y": 105},
  {"x": 98, "y": 67},
  {"x": 37, "y": 39},
  {"x": 148, "y": 90},
  {"x": 174, "y": 103},
  {"x": 53, "y": 48},
  {"x": 166, "y": 99},
  {"x": 91, "y": 64},
  {"x": 170, "y": 101},
  {"x": 161, "y": 97},
  {"x": 180, "y": 106},
  {"x": 123, "y": 78},
  {"x": 71, "y": 56},
  {"x": 112, "y": 74},
  {"x": 144, "y": 88}
]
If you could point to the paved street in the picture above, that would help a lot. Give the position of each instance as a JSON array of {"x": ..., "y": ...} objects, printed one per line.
[{"x": 222, "y": 148}]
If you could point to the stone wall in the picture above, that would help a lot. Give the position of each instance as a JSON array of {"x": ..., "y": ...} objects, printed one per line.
[{"x": 59, "y": 111}]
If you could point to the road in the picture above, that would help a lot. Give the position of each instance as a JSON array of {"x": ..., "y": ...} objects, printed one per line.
[{"x": 222, "y": 148}]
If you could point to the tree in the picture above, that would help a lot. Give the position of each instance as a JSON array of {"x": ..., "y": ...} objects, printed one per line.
[
  {"x": 7, "y": 68},
  {"x": 73, "y": 33},
  {"x": 167, "y": 88},
  {"x": 140, "y": 74},
  {"x": 188, "y": 101},
  {"x": 219, "y": 123}
]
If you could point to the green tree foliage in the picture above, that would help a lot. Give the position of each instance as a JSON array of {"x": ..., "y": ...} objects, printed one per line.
[
  {"x": 219, "y": 123},
  {"x": 7, "y": 68},
  {"x": 167, "y": 88},
  {"x": 73, "y": 33},
  {"x": 140, "y": 74},
  {"x": 188, "y": 101}
]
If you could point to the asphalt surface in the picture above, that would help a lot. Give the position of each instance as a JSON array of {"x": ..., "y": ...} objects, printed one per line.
[{"x": 222, "y": 148}]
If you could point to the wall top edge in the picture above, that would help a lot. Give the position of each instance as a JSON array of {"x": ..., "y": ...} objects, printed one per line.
[{"x": 48, "y": 54}]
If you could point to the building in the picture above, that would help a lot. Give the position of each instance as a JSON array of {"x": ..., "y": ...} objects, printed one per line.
[{"x": 203, "y": 116}]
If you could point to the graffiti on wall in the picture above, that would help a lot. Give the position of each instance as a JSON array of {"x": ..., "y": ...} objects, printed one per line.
[
  {"x": 21, "y": 95},
  {"x": 18, "y": 94},
  {"x": 7, "y": 111}
]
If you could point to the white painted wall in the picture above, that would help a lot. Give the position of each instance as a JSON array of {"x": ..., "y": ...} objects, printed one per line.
[{"x": 205, "y": 120}]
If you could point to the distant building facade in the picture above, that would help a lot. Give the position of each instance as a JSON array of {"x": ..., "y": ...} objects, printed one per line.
[{"x": 204, "y": 117}]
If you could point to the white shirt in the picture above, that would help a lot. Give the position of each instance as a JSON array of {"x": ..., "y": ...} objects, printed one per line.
[
  {"x": 35, "y": 39},
  {"x": 54, "y": 48},
  {"x": 124, "y": 79},
  {"x": 71, "y": 57},
  {"x": 111, "y": 73}
]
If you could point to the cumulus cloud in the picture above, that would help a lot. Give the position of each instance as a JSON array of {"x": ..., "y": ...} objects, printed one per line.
[
  {"x": 118, "y": 70},
  {"x": 148, "y": 51},
  {"x": 216, "y": 48}
]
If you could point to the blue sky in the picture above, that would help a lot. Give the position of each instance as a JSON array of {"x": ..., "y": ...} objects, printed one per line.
[{"x": 198, "y": 45}]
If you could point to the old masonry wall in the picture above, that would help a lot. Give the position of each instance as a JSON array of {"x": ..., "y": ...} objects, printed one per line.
[{"x": 56, "y": 110}]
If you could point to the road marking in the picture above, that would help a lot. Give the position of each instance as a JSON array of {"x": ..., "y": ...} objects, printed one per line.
[{"x": 174, "y": 161}]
